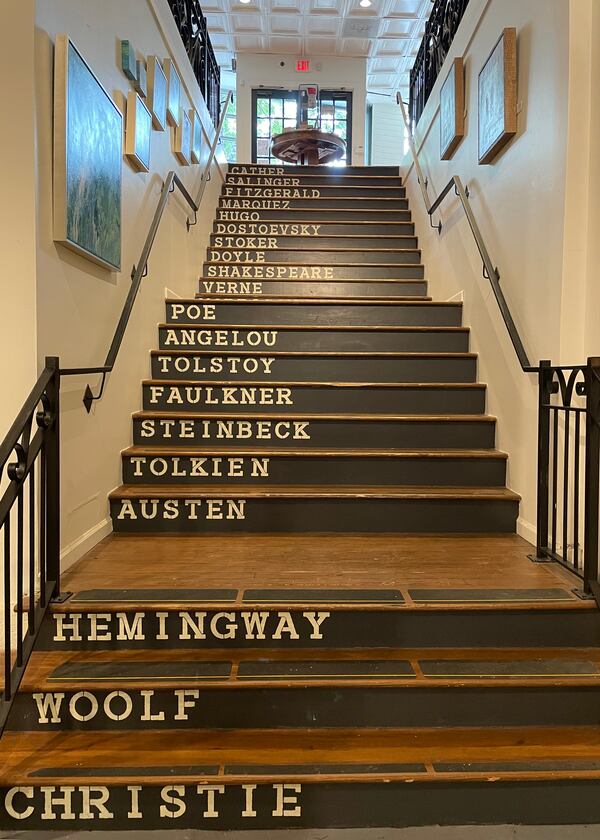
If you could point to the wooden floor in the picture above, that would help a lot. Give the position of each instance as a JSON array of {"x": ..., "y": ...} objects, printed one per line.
[{"x": 323, "y": 561}]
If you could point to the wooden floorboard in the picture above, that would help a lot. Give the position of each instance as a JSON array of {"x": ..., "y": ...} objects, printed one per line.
[{"x": 305, "y": 561}]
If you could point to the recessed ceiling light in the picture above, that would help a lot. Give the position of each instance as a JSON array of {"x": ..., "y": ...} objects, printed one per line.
[
  {"x": 364, "y": 3},
  {"x": 244, "y": 1}
]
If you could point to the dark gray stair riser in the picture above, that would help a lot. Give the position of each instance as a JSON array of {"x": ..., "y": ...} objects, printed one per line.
[
  {"x": 316, "y": 288},
  {"x": 342, "y": 804},
  {"x": 318, "y": 241},
  {"x": 298, "y": 399},
  {"x": 234, "y": 202},
  {"x": 307, "y": 230},
  {"x": 263, "y": 368},
  {"x": 312, "y": 192},
  {"x": 336, "y": 706},
  {"x": 328, "y": 314},
  {"x": 255, "y": 256},
  {"x": 295, "y": 179},
  {"x": 216, "y": 430},
  {"x": 279, "y": 170},
  {"x": 307, "y": 271},
  {"x": 232, "y": 338},
  {"x": 374, "y": 628},
  {"x": 204, "y": 470},
  {"x": 312, "y": 215},
  {"x": 333, "y": 516}
]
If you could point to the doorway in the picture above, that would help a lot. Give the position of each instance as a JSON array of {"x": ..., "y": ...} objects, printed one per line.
[{"x": 276, "y": 109}]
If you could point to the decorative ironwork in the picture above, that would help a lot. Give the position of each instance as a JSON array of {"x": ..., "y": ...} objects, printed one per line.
[
  {"x": 440, "y": 30},
  {"x": 568, "y": 494},
  {"x": 194, "y": 34},
  {"x": 29, "y": 526}
]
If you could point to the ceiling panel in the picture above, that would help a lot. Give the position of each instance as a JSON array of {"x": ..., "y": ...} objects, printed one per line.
[{"x": 387, "y": 33}]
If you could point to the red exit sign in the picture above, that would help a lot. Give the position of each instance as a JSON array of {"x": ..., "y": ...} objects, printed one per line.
[{"x": 303, "y": 65}]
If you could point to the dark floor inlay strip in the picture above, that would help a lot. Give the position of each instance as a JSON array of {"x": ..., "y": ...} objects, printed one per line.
[
  {"x": 487, "y": 596},
  {"x": 136, "y": 596},
  {"x": 319, "y": 769},
  {"x": 534, "y": 668},
  {"x": 324, "y": 596},
  {"x": 131, "y": 671},
  {"x": 326, "y": 669},
  {"x": 69, "y": 772},
  {"x": 516, "y": 766}
]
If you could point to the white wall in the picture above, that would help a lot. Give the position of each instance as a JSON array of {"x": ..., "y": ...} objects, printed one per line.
[
  {"x": 336, "y": 72},
  {"x": 78, "y": 302},
  {"x": 387, "y": 130},
  {"x": 18, "y": 352},
  {"x": 519, "y": 202}
]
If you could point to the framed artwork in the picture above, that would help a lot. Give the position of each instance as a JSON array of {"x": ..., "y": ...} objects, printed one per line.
[
  {"x": 452, "y": 110},
  {"x": 196, "y": 150},
  {"x": 497, "y": 97},
  {"x": 88, "y": 149},
  {"x": 138, "y": 132},
  {"x": 141, "y": 83},
  {"x": 157, "y": 93},
  {"x": 183, "y": 138},
  {"x": 128, "y": 60},
  {"x": 174, "y": 95}
]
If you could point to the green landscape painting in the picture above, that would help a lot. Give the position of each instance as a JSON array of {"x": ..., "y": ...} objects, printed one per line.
[{"x": 94, "y": 148}]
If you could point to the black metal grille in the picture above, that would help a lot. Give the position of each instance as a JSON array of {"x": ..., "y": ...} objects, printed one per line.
[
  {"x": 194, "y": 34},
  {"x": 440, "y": 30}
]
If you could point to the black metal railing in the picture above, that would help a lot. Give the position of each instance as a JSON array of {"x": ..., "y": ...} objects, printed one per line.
[
  {"x": 194, "y": 34},
  {"x": 29, "y": 526},
  {"x": 569, "y": 469},
  {"x": 440, "y": 30}
]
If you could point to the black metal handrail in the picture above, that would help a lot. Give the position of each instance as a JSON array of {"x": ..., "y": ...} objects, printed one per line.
[
  {"x": 137, "y": 274},
  {"x": 490, "y": 272},
  {"x": 193, "y": 29},
  {"x": 29, "y": 525},
  {"x": 440, "y": 29}
]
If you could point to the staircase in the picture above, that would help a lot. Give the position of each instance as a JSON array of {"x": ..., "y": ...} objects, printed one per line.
[{"x": 314, "y": 611}]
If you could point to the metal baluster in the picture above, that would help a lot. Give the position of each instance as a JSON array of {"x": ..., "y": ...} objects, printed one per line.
[
  {"x": 43, "y": 526},
  {"x": 554, "y": 477},
  {"x": 576, "y": 468},
  {"x": 7, "y": 612},
  {"x": 20, "y": 578},
  {"x": 565, "y": 522},
  {"x": 32, "y": 544}
]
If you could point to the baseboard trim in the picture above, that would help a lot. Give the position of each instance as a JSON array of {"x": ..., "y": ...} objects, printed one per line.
[
  {"x": 75, "y": 550},
  {"x": 526, "y": 530}
]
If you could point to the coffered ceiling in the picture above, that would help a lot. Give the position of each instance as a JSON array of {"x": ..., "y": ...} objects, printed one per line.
[{"x": 388, "y": 33}]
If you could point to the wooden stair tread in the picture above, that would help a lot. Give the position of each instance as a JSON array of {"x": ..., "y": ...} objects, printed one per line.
[
  {"x": 303, "y": 301},
  {"x": 313, "y": 327},
  {"x": 308, "y": 265},
  {"x": 371, "y": 354},
  {"x": 325, "y": 249},
  {"x": 410, "y": 492},
  {"x": 315, "y": 384},
  {"x": 391, "y": 418},
  {"x": 315, "y": 451},
  {"x": 28, "y": 752}
]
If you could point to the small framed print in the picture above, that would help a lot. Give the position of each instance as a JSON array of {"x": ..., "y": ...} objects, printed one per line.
[
  {"x": 452, "y": 110},
  {"x": 141, "y": 83},
  {"x": 157, "y": 93},
  {"x": 183, "y": 139},
  {"x": 138, "y": 132},
  {"x": 196, "y": 151},
  {"x": 174, "y": 94},
  {"x": 128, "y": 60},
  {"x": 497, "y": 97}
]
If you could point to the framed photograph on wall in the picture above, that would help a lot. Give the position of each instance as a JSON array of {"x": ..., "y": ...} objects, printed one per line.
[
  {"x": 138, "y": 132},
  {"x": 196, "y": 136},
  {"x": 88, "y": 159},
  {"x": 452, "y": 110},
  {"x": 497, "y": 97},
  {"x": 174, "y": 95},
  {"x": 183, "y": 139},
  {"x": 157, "y": 92}
]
